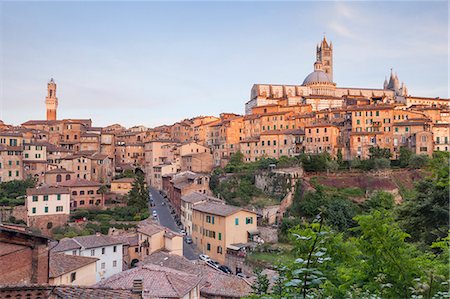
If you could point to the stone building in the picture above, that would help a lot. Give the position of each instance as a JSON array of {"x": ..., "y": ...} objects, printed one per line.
[{"x": 24, "y": 256}]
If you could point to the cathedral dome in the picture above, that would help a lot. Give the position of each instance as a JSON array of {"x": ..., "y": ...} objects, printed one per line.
[{"x": 318, "y": 76}]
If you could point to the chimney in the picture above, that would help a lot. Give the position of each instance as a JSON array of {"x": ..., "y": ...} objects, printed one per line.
[{"x": 137, "y": 286}]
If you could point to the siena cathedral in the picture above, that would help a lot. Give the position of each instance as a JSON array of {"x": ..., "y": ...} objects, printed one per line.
[{"x": 319, "y": 90}]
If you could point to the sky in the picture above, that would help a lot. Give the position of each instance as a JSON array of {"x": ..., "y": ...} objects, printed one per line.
[{"x": 154, "y": 63}]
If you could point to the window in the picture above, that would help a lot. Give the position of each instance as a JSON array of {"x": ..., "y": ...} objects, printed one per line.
[
  {"x": 74, "y": 193},
  {"x": 103, "y": 250},
  {"x": 406, "y": 129},
  {"x": 74, "y": 252},
  {"x": 396, "y": 129},
  {"x": 114, "y": 248},
  {"x": 236, "y": 221},
  {"x": 208, "y": 219},
  {"x": 45, "y": 209},
  {"x": 73, "y": 276},
  {"x": 58, "y": 178},
  {"x": 103, "y": 265},
  {"x": 33, "y": 210},
  {"x": 208, "y": 247},
  {"x": 136, "y": 249},
  {"x": 377, "y": 113},
  {"x": 114, "y": 263},
  {"x": 249, "y": 220},
  {"x": 219, "y": 249},
  {"x": 45, "y": 197},
  {"x": 82, "y": 192},
  {"x": 59, "y": 208},
  {"x": 35, "y": 198},
  {"x": 92, "y": 252},
  {"x": 220, "y": 236}
]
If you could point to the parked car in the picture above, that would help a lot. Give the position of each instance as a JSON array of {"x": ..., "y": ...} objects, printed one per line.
[
  {"x": 225, "y": 269},
  {"x": 183, "y": 232},
  {"x": 154, "y": 214},
  {"x": 204, "y": 257},
  {"x": 213, "y": 263},
  {"x": 188, "y": 240},
  {"x": 241, "y": 275}
]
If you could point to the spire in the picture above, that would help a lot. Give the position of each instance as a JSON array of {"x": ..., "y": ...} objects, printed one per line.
[{"x": 385, "y": 84}]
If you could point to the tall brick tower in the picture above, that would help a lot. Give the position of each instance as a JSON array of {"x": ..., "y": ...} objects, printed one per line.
[
  {"x": 51, "y": 101},
  {"x": 324, "y": 52}
]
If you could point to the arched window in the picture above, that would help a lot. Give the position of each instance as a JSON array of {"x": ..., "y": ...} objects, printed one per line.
[
  {"x": 67, "y": 177},
  {"x": 74, "y": 192},
  {"x": 58, "y": 178}
]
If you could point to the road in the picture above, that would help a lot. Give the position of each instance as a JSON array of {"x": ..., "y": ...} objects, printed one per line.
[{"x": 166, "y": 219}]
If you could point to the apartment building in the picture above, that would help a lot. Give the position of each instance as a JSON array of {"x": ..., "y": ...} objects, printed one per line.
[
  {"x": 84, "y": 194},
  {"x": 215, "y": 226},
  {"x": 107, "y": 250},
  {"x": 153, "y": 237},
  {"x": 47, "y": 207},
  {"x": 72, "y": 270},
  {"x": 161, "y": 157}
]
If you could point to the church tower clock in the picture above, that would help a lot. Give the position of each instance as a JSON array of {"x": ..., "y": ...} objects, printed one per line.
[{"x": 51, "y": 101}]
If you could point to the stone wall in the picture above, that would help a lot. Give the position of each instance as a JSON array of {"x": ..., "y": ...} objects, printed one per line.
[{"x": 47, "y": 222}]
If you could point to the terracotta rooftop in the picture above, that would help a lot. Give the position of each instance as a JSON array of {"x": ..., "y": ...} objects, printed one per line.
[
  {"x": 67, "y": 292},
  {"x": 47, "y": 190},
  {"x": 149, "y": 228},
  {"x": 195, "y": 197},
  {"x": 158, "y": 282},
  {"x": 213, "y": 282},
  {"x": 86, "y": 242},
  {"x": 61, "y": 263},
  {"x": 123, "y": 180},
  {"x": 80, "y": 183},
  {"x": 59, "y": 170},
  {"x": 216, "y": 208}
]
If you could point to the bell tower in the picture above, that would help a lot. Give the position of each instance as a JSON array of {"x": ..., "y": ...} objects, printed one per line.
[
  {"x": 51, "y": 101},
  {"x": 324, "y": 53}
]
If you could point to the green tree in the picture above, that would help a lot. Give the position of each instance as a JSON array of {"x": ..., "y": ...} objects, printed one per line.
[
  {"x": 261, "y": 285},
  {"x": 339, "y": 157},
  {"x": 418, "y": 161},
  {"x": 376, "y": 152},
  {"x": 138, "y": 195},
  {"x": 405, "y": 155},
  {"x": 380, "y": 200}
]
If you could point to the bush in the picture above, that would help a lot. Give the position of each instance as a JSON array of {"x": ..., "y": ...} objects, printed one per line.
[
  {"x": 381, "y": 163},
  {"x": 418, "y": 161},
  {"x": 380, "y": 200}
]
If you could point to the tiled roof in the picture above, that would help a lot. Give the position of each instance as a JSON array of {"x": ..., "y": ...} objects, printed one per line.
[
  {"x": 128, "y": 239},
  {"x": 7, "y": 248},
  {"x": 94, "y": 241},
  {"x": 80, "y": 183},
  {"x": 47, "y": 190},
  {"x": 124, "y": 180},
  {"x": 59, "y": 170},
  {"x": 61, "y": 263},
  {"x": 158, "y": 282},
  {"x": 67, "y": 292},
  {"x": 213, "y": 283},
  {"x": 195, "y": 197},
  {"x": 216, "y": 208},
  {"x": 149, "y": 228},
  {"x": 65, "y": 244}
]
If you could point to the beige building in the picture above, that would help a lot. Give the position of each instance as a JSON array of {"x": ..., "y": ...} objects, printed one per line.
[
  {"x": 47, "y": 207},
  {"x": 72, "y": 270},
  {"x": 441, "y": 135},
  {"x": 153, "y": 237},
  {"x": 122, "y": 186},
  {"x": 161, "y": 157},
  {"x": 322, "y": 138},
  {"x": 10, "y": 163},
  {"x": 187, "y": 204},
  {"x": 84, "y": 194},
  {"x": 217, "y": 226}
]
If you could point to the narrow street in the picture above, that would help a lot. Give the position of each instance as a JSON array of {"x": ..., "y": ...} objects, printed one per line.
[{"x": 166, "y": 219}]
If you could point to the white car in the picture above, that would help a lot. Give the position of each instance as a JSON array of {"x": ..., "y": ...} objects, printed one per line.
[
  {"x": 183, "y": 232},
  {"x": 204, "y": 257},
  {"x": 154, "y": 214}
]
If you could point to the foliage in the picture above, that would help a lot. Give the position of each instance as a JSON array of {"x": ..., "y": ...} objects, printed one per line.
[
  {"x": 13, "y": 189},
  {"x": 332, "y": 165},
  {"x": 380, "y": 200},
  {"x": 128, "y": 173},
  {"x": 261, "y": 286},
  {"x": 315, "y": 163},
  {"x": 376, "y": 152},
  {"x": 238, "y": 189},
  {"x": 12, "y": 202},
  {"x": 339, "y": 158},
  {"x": 405, "y": 156},
  {"x": 138, "y": 195},
  {"x": 418, "y": 161}
]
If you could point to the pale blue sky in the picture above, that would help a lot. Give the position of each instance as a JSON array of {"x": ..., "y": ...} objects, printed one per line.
[{"x": 154, "y": 63}]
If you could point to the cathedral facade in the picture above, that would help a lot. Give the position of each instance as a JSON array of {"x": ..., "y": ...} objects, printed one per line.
[{"x": 319, "y": 90}]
